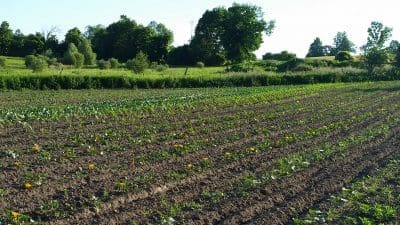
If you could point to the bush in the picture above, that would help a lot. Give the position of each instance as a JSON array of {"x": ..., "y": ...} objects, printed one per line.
[
  {"x": 29, "y": 61},
  {"x": 319, "y": 62},
  {"x": 200, "y": 65},
  {"x": 181, "y": 56},
  {"x": 289, "y": 65},
  {"x": 114, "y": 63},
  {"x": 375, "y": 58},
  {"x": 85, "y": 49},
  {"x": 241, "y": 67},
  {"x": 139, "y": 64},
  {"x": 215, "y": 60},
  {"x": 80, "y": 60},
  {"x": 103, "y": 64},
  {"x": 283, "y": 56},
  {"x": 161, "y": 68},
  {"x": 343, "y": 56},
  {"x": 158, "y": 67},
  {"x": 69, "y": 56},
  {"x": 2, "y": 62},
  {"x": 36, "y": 64},
  {"x": 302, "y": 68},
  {"x": 52, "y": 61},
  {"x": 341, "y": 64},
  {"x": 73, "y": 57},
  {"x": 269, "y": 65}
]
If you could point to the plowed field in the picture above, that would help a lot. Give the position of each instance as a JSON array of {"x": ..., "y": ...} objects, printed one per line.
[{"x": 199, "y": 156}]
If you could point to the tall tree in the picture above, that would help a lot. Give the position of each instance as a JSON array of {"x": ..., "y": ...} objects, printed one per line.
[
  {"x": 34, "y": 44},
  {"x": 207, "y": 40},
  {"x": 85, "y": 49},
  {"x": 97, "y": 37},
  {"x": 51, "y": 43},
  {"x": 125, "y": 38},
  {"x": 316, "y": 49},
  {"x": 6, "y": 36},
  {"x": 74, "y": 36},
  {"x": 92, "y": 31},
  {"x": 181, "y": 56},
  {"x": 160, "y": 43},
  {"x": 378, "y": 35},
  {"x": 341, "y": 43},
  {"x": 243, "y": 31},
  {"x": 17, "y": 44},
  {"x": 375, "y": 52}
]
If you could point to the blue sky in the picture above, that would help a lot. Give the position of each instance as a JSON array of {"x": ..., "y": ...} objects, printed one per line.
[{"x": 298, "y": 21}]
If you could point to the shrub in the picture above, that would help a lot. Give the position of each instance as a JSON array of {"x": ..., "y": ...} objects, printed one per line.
[
  {"x": 114, "y": 63},
  {"x": 37, "y": 64},
  {"x": 29, "y": 61},
  {"x": 158, "y": 67},
  {"x": 2, "y": 62},
  {"x": 80, "y": 59},
  {"x": 283, "y": 56},
  {"x": 181, "y": 56},
  {"x": 345, "y": 63},
  {"x": 200, "y": 65},
  {"x": 215, "y": 60},
  {"x": 241, "y": 67},
  {"x": 85, "y": 49},
  {"x": 103, "y": 64},
  {"x": 302, "y": 68},
  {"x": 289, "y": 65},
  {"x": 269, "y": 65},
  {"x": 319, "y": 62},
  {"x": 375, "y": 58},
  {"x": 138, "y": 64},
  {"x": 52, "y": 61},
  {"x": 343, "y": 56},
  {"x": 161, "y": 68},
  {"x": 69, "y": 56},
  {"x": 73, "y": 57}
]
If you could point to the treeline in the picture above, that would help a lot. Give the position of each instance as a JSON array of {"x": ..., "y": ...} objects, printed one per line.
[
  {"x": 375, "y": 53},
  {"x": 218, "y": 39},
  {"x": 223, "y": 36},
  {"x": 121, "y": 40}
]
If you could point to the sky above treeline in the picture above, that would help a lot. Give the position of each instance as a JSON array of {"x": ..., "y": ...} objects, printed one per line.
[{"x": 298, "y": 22}]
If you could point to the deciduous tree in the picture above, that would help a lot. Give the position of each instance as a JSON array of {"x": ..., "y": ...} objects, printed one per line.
[
  {"x": 375, "y": 52},
  {"x": 6, "y": 36},
  {"x": 341, "y": 43}
]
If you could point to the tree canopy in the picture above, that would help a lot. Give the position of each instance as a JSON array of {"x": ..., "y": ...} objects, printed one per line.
[
  {"x": 233, "y": 33},
  {"x": 6, "y": 36},
  {"x": 375, "y": 53},
  {"x": 317, "y": 49},
  {"x": 125, "y": 38},
  {"x": 207, "y": 39},
  {"x": 341, "y": 43}
]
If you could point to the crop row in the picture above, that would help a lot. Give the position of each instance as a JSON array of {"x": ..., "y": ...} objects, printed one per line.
[{"x": 188, "y": 160}]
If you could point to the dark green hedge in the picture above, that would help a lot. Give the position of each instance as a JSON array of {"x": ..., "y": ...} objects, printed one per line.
[{"x": 40, "y": 82}]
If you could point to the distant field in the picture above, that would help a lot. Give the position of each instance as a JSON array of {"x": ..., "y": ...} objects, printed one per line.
[
  {"x": 16, "y": 77},
  {"x": 16, "y": 67},
  {"x": 259, "y": 155}
]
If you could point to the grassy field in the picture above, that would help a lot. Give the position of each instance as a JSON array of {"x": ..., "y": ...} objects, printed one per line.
[
  {"x": 16, "y": 67},
  {"x": 15, "y": 77},
  {"x": 259, "y": 155}
]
